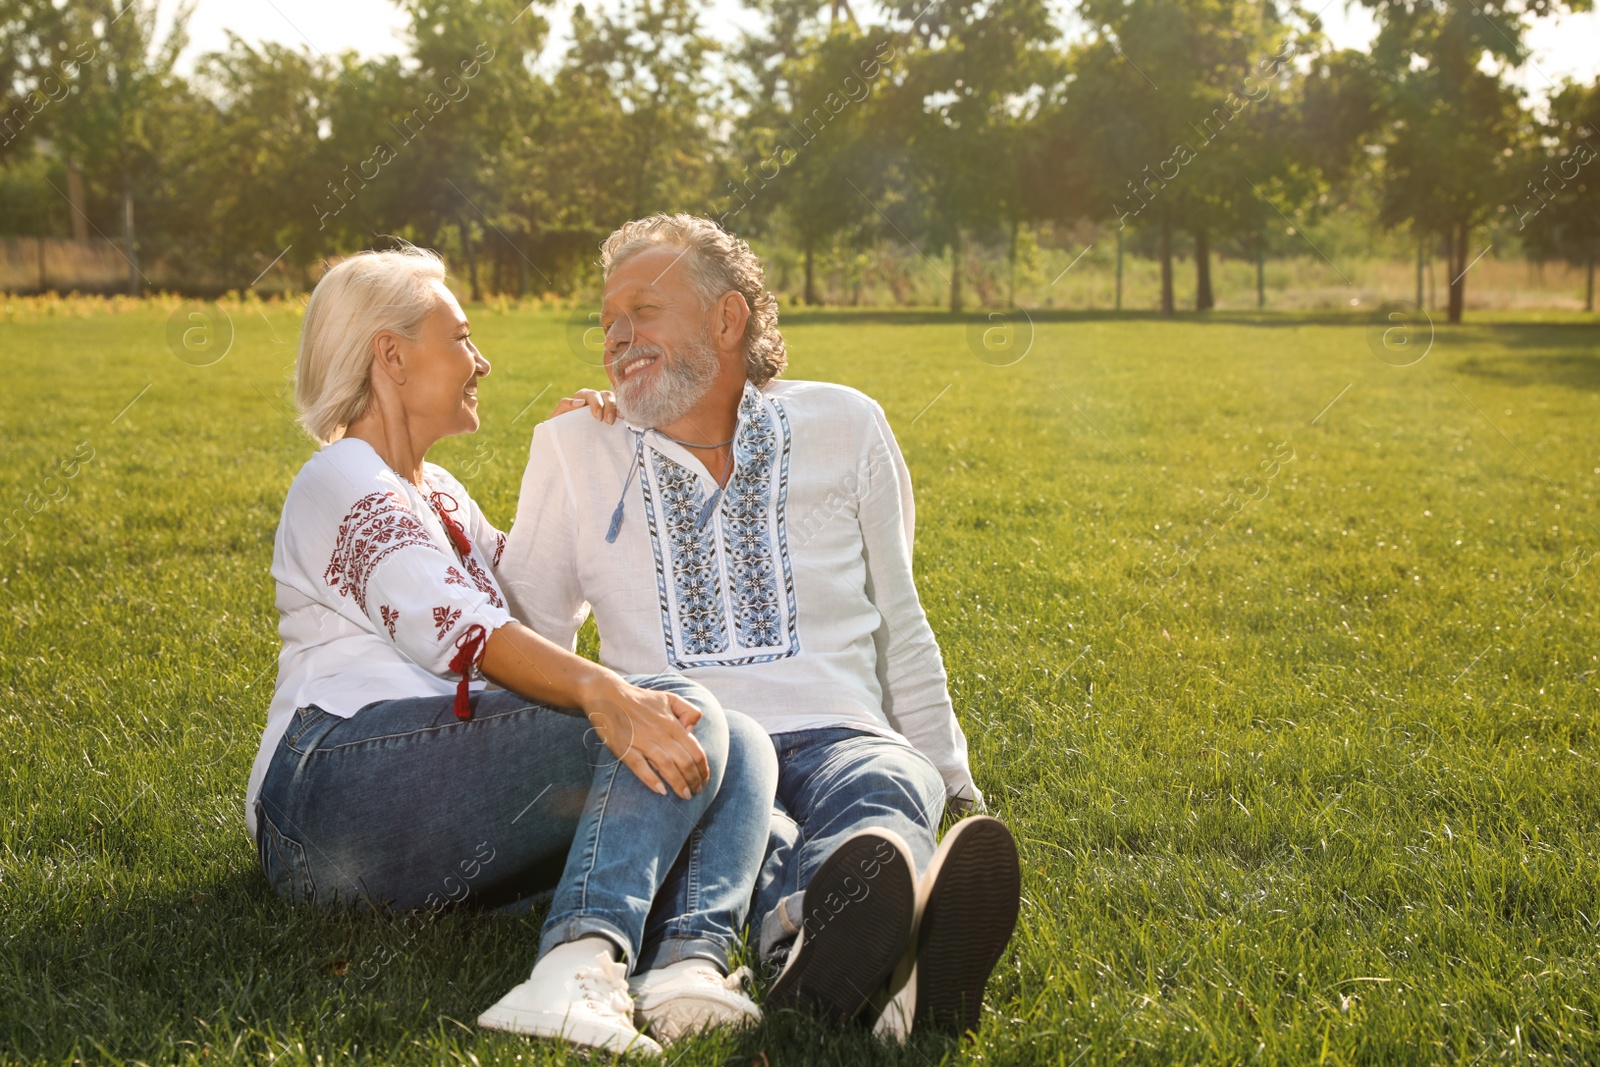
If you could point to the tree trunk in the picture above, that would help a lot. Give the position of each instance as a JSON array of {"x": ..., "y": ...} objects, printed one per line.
[
  {"x": 1419, "y": 275},
  {"x": 471, "y": 254},
  {"x": 1458, "y": 273},
  {"x": 1119, "y": 270},
  {"x": 79, "y": 202},
  {"x": 955, "y": 273},
  {"x": 130, "y": 238},
  {"x": 1261, "y": 274},
  {"x": 1433, "y": 303},
  {"x": 1203, "y": 298},
  {"x": 1167, "y": 307},
  {"x": 811, "y": 274},
  {"x": 1011, "y": 281}
]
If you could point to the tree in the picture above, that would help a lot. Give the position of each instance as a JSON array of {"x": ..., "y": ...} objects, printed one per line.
[
  {"x": 1243, "y": 58},
  {"x": 37, "y": 69},
  {"x": 1558, "y": 208},
  {"x": 1132, "y": 90},
  {"x": 653, "y": 56},
  {"x": 625, "y": 130},
  {"x": 273, "y": 177},
  {"x": 828, "y": 162},
  {"x": 472, "y": 79},
  {"x": 1187, "y": 107},
  {"x": 124, "y": 84},
  {"x": 807, "y": 151},
  {"x": 1456, "y": 126},
  {"x": 965, "y": 103},
  {"x": 1056, "y": 169}
]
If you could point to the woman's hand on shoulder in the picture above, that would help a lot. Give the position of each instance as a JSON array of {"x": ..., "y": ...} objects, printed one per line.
[{"x": 602, "y": 404}]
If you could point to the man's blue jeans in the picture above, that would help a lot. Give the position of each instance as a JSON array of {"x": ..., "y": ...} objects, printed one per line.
[
  {"x": 832, "y": 783},
  {"x": 405, "y": 805}
]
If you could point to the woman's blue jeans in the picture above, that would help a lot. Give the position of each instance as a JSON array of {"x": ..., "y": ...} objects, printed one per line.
[{"x": 404, "y": 805}]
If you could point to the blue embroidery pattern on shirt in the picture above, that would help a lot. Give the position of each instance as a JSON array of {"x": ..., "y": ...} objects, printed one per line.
[
  {"x": 695, "y": 577},
  {"x": 726, "y": 608},
  {"x": 757, "y": 613}
]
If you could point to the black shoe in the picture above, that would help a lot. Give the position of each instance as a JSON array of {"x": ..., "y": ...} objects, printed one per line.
[
  {"x": 967, "y": 904},
  {"x": 857, "y": 924}
]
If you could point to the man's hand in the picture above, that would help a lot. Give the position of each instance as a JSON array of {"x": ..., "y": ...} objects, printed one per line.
[{"x": 962, "y": 805}]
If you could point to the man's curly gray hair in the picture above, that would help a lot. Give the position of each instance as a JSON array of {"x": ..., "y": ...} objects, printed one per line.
[{"x": 715, "y": 262}]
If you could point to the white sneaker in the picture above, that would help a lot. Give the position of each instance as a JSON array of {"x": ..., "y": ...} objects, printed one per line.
[
  {"x": 588, "y": 1005},
  {"x": 690, "y": 995}
]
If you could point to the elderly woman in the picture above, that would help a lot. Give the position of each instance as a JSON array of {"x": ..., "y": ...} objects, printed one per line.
[{"x": 391, "y": 774}]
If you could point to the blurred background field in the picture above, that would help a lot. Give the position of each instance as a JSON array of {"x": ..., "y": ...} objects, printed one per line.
[
  {"x": 1278, "y": 658},
  {"x": 887, "y": 278}
]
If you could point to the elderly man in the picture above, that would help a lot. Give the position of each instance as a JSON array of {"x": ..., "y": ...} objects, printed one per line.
[{"x": 755, "y": 535}]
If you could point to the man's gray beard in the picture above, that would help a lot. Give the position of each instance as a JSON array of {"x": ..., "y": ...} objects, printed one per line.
[{"x": 682, "y": 380}]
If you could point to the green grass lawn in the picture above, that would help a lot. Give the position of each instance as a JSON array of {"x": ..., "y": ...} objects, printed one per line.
[{"x": 1281, "y": 662}]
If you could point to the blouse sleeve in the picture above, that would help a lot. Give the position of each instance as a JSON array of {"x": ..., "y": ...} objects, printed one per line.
[{"x": 386, "y": 564}]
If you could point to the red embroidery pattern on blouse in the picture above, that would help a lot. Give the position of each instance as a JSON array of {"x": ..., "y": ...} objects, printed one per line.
[
  {"x": 483, "y": 581},
  {"x": 444, "y": 618},
  {"x": 375, "y": 528},
  {"x": 455, "y": 577},
  {"x": 499, "y": 549},
  {"x": 390, "y": 617}
]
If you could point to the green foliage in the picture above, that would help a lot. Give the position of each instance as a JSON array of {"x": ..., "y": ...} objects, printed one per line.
[
  {"x": 1457, "y": 130},
  {"x": 965, "y": 112},
  {"x": 36, "y": 64},
  {"x": 28, "y": 205},
  {"x": 952, "y": 129},
  {"x": 1559, "y": 205}
]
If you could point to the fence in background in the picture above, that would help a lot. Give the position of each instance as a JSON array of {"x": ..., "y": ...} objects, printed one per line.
[
  {"x": 42, "y": 264},
  {"x": 891, "y": 275}
]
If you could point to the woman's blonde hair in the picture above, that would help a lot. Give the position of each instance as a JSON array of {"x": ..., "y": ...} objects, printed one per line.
[
  {"x": 355, "y": 301},
  {"x": 715, "y": 262}
]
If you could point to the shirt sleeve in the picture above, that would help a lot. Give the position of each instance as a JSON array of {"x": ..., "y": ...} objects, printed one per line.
[
  {"x": 386, "y": 565},
  {"x": 547, "y": 598},
  {"x": 916, "y": 695}
]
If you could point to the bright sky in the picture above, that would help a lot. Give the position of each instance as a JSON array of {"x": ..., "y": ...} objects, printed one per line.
[{"x": 1565, "y": 47}]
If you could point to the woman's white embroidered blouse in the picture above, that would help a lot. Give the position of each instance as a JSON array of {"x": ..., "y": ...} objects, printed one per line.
[{"x": 375, "y": 601}]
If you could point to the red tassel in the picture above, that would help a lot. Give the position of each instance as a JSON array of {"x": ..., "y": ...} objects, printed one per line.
[
  {"x": 469, "y": 650},
  {"x": 452, "y": 528}
]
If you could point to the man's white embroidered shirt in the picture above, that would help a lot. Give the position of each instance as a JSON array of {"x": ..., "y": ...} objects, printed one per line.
[{"x": 789, "y": 595}]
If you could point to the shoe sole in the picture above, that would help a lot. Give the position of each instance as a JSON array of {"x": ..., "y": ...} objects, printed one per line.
[
  {"x": 858, "y": 909},
  {"x": 673, "y": 1018},
  {"x": 542, "y": 1024},
  {"x": 974, "y": 890}
]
